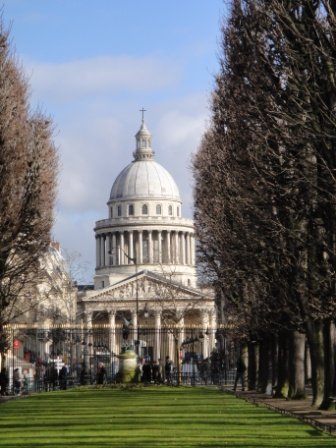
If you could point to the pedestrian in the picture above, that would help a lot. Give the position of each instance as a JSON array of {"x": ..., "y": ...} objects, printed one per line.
[
  {"x": 83, "y": 375},
  {"x": 25, "y": 384},
  {"x": 101, "y": 374},
  {"x": 240, "y": 373},
  {"x": 62, "y": 378},
  {"x": 3, "y": 381},
  {"x": 156, "y": 372},
  {"x": 147, "y": 372},
  {"x": 17, "y": 381},
  {"x": 168, "y": 371}
]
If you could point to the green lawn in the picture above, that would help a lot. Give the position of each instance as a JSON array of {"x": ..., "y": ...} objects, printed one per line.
[{"x": 148, "y": 417}]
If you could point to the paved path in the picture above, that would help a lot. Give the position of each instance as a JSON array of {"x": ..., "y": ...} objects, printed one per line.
[{"x": 302, "y": 409}]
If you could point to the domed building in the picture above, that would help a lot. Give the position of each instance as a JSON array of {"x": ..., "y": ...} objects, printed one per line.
[
  {"x": 145, "y": 226},
  {"x": 145, "y": 263}
]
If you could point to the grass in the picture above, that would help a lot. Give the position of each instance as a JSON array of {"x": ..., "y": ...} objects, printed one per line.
[{"x": 148, "y": 417}]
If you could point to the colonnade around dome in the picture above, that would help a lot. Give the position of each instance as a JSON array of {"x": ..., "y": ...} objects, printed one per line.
[{"x": 124, "y": 247}]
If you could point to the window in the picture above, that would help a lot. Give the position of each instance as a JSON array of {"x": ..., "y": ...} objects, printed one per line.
[
  {"x": 178, "y": 211},
  {"x": 119, "y": 210},
  {"x": 158, "y": 209},
  {"x": 131, "y": 209},
  {"x": 111, "y": 212},
  {"x": 145, "y": 209},
  {"x": 170, "y": 210}
]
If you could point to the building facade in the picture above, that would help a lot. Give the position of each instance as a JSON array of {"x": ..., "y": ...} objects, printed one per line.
[{"x": 145, "y": 264}]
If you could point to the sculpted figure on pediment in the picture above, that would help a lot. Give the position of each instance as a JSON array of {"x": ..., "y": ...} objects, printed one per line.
[{"x": 121, "y": 293}]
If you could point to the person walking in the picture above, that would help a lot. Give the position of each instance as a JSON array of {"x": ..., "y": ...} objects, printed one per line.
[
  {"x": 240, "y": 373},
  {"x": 147, "y": 372},
  {"x": 168, "y": 371},
  {"x": 156, "y": 372},
  {"x": 17, "y": 382},
  {"x": 101, "y": 374},
  {"x": 62, "y": 377},
  {"x": 3, "y": 381}
]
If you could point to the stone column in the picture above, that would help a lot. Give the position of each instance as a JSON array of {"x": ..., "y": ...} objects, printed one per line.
[
  {"x": 183, "y": 248},
  {"x": 150, "y": 246},
  {"x": 171, "y": 346},
  {"x": 97, "y": 251},
  {"x": 114, "y": 249},
  {"x": 177, "y": 248},
  {"x": 130, "y": 246},
  {"x": 102, "y": 250},
  {"x": 109, "y": 251},
  {"x": 112, "y": 317},
  {"x": 88, "y": 339},
  {"x": 113, "y": 343},
  {"x": 106, "y": 249},
  {"x": 157, "y": 342},
  {"x": 191, "y": 248},
  {"x": 122, "y": 248},
  {"x": 192, "y": 252},
  {"x": 140, "y": 248},
  {"x": 160, "y": 245},
  {"x": 187, "y": 248},
  {"x": 181, "y": 332},
  {"x": 168, "y": 247}
]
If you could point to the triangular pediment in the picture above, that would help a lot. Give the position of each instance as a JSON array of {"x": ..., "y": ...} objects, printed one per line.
[{"x": 146, "y": 285}]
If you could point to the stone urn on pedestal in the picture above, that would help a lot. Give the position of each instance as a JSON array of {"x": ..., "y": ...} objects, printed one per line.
[{"x": 127, "y": 366}]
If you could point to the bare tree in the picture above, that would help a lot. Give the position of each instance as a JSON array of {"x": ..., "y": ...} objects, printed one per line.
[
  {"x": 268, "y": 163},
  {"x": 175, "y": 304},
  {"x": 28, "y": 169}
]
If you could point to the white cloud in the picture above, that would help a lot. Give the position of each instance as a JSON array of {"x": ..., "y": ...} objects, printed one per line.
[
  {"x": 105, "y": 74},
  {"x": 96, "y": 129}
]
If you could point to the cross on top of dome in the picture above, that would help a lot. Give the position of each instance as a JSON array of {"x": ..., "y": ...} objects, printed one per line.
[
  {"x": 143, "y": 141},
  {"x": 142, "y": 114}
]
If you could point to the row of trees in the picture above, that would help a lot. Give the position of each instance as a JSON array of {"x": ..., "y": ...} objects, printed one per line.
[
  {"x": 28, "y": 170},
  {"x": 268, "y": 164}
]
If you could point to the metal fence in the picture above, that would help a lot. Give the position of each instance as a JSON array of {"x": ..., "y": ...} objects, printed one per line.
[{"x": 43, "y": 359}]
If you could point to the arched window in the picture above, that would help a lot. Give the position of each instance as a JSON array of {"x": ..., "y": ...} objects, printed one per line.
[
  {"x": 131, "y": 209},
  {"x": 170, "y": 210},
  {"x": 145, "y": 209},
  {"x": 158, "y": 209},
  {"x": 119, "y": 210}
]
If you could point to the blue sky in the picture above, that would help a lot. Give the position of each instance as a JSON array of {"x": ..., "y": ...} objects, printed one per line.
[{"x": 91, "y": 66}]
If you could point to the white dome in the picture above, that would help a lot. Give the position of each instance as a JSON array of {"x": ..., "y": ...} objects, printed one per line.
[{"x": 144, "y": 179}]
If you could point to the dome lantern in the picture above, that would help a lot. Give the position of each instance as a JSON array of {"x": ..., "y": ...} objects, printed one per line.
[{"x": 143, "y": 142}]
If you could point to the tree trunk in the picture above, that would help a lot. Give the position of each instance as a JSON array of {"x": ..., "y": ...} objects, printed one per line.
[
  {"x": 329, "y": 364},
  {"x": 308, "y": 369},
  {"x": 244, "y": 356},
  {"x": 334, "y": 358},
  {"x": 264, "y": 376},
  {"x": 252, "y": 366},
  {"x": 315, "y": 340},
  {"x": 296, "y": 388},
  {"x": 274, "y": 360},
  {"x": 177, "y": 357},
  {"x": 281, "y": 389}
]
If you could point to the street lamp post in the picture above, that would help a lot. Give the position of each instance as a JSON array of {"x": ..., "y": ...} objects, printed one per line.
[{"x": 133, "y": 260}]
